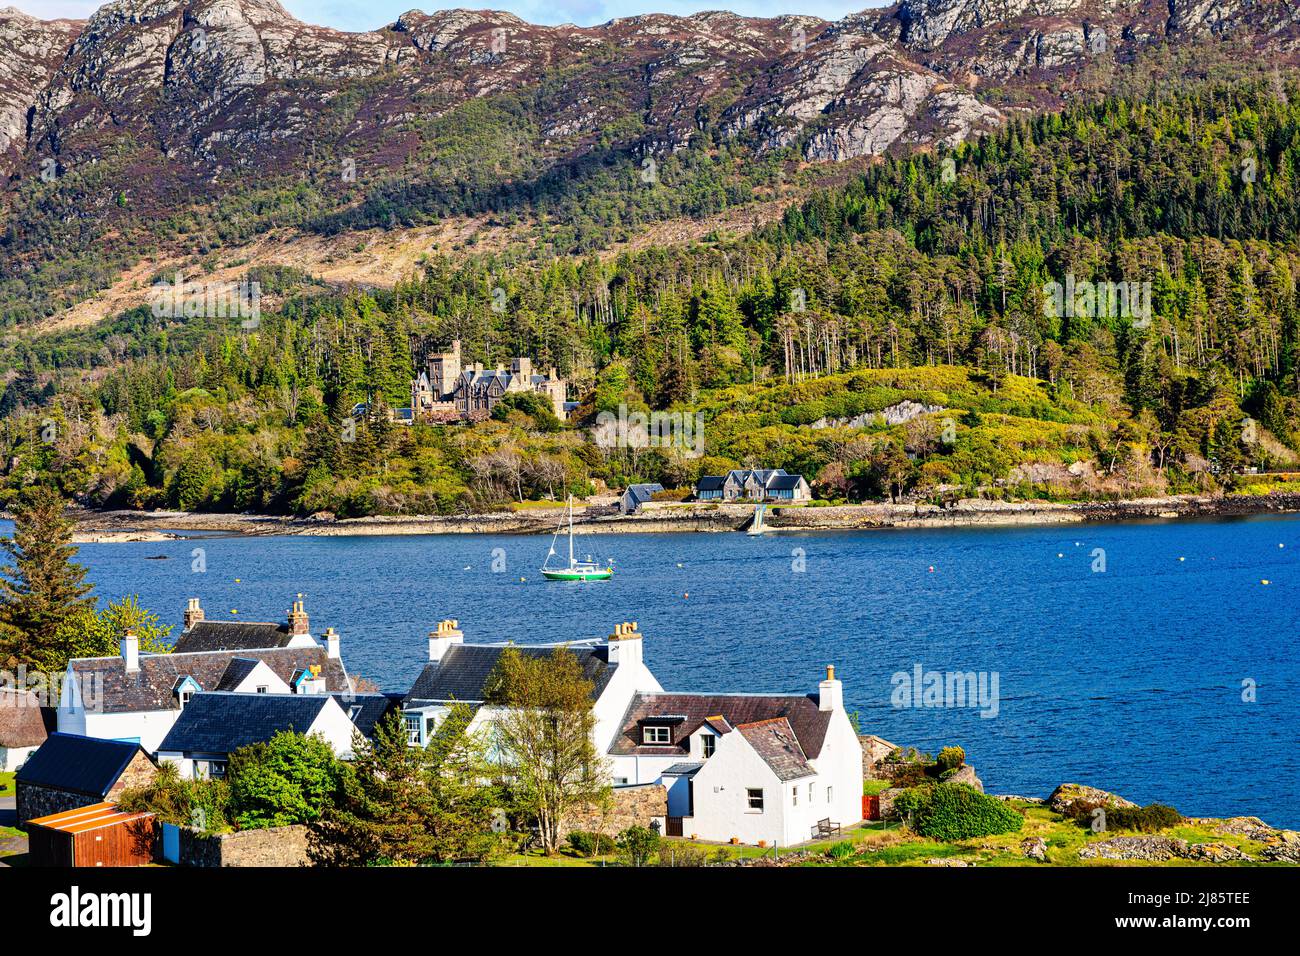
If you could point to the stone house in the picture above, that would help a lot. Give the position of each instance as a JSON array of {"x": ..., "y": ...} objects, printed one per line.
[
  {"x": 69, "y": 771},
  {"x": 447, "y": 389}
]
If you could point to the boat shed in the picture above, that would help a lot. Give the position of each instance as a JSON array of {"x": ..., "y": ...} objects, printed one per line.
[{"x": 97, "y": 835}]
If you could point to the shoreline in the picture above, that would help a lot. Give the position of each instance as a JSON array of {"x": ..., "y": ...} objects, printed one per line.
[{"x": 107, "y": 527}]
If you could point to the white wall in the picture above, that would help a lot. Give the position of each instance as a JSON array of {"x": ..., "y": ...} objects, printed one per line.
[
  {"x": 12, "y": 758},
  {"x": 630, "y": 677},
  {"x": 722, "y": 801},
  {"x": 149, "y": 726},
  {"x": 332, "y": 723}
]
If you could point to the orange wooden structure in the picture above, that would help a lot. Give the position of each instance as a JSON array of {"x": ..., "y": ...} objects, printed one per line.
[
  {"x": 870, "y": 806},
  {"x": 97, "y": 835}
]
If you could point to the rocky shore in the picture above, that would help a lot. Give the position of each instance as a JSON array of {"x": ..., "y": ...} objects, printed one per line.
[{"x": 109, "y": 526}]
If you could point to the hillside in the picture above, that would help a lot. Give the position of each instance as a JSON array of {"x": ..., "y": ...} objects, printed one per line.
[
  {"x": 899, "y": 328},
  {"x": 166, "y": 130}
]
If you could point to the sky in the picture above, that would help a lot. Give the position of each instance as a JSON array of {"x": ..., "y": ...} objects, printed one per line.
[{"x": 369, "y": 14}]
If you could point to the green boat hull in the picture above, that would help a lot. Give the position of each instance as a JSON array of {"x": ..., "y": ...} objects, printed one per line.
[{"x": 603, "y": 574}]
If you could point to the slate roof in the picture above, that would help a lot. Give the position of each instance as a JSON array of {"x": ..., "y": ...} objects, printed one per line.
[
  {"x": 366, "y": 710},
  {"x": 683, "y": 770},
  {"x": 465, "y": 668},
  {"x": 231, "y": 636},
  {"x": 87, "y": 765},
  {"x": 774, "y": 740},
  {"x": 806, "y": 721},
  {"x": 23, "y": 721},
  {"x": 784, "y": 483},
  {"x": 150, "y": 688},
  {"x": 236, "y": 672},
  {"x": 220, "y": 722},
  {"x": 711, "y": 483}
]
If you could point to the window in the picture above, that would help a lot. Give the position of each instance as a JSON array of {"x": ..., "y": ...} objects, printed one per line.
[
  {"x": 656, "y": 735},
  {"x": 216, "y": 769},
  {"x": 830, "y": 794},
  {"x": 262, "y": 688},
  {"x": 755, "y": 799},
  {"x": 620, "y": 781},
  {"x": 414, "y": 729},
  {"x": 185, "y": 697},
  {"x": 794, "y": 792},
  {"x": 710, "y": 744}
]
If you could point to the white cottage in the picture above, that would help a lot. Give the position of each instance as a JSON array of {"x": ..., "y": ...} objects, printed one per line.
[
  {"x": 138, "y": 697},
  {"x": 215, "y": 725},
  {"x": 459, "y": 673},
  {"x": 749, "y": 767}
]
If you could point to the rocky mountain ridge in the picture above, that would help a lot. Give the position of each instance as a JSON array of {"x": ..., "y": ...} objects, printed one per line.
[{"x": 160, "y": 106}]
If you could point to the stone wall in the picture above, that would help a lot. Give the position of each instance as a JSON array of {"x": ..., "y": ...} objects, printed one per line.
[
  {"x": 33, "y": 801},
  {"x": 637, "y": 805},
  {"x": 279, "y": 846}
]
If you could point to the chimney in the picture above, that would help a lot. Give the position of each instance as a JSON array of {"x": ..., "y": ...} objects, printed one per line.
[
  {"x": 830, "y": 692},
  {"x": 625, "y": 644},
  {"x": 331, "y": 643},
  {"x": 298, "y": 618},
  {"x": 447, "y": 634},
  {"x": 193, "y": 614},
  {"x": 131, "y": 652}
]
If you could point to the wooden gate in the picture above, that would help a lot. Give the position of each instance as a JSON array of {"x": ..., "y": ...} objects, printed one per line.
[{"x": 870, "y": 806}]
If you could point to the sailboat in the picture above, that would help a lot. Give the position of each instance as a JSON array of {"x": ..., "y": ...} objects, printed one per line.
[{"x": 577, "y": 570}]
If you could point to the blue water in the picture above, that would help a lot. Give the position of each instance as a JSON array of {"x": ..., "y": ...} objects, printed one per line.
[{"x": 1129, "y": 678}]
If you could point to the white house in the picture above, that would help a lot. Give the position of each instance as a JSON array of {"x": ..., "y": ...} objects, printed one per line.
[
  {"x": 213, "y": 725},
  {"x": 748, "y": 767},
  {"x": 138, "y": 697},
  {"x": 459, "y": 673}
]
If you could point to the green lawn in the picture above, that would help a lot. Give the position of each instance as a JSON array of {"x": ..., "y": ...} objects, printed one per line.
[{"x": 6, "y": 785}]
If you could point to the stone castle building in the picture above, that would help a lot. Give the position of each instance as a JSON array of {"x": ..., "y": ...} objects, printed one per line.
[{"x": 447, "y": 391}]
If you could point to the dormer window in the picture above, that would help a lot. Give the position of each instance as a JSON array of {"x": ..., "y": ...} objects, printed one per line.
[
  {"x": 185, "y": 688},
  {"x": 656, "y": 735},
  {"x": 708, "y": 744}
]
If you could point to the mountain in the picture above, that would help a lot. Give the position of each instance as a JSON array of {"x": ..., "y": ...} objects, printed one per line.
[{"x": 183, "y": 126}]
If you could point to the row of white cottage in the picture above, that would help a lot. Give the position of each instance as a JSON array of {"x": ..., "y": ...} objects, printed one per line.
[{"x": 750, "y": 767}]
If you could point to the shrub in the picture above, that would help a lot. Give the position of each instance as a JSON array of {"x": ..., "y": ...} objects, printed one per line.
[
  {"x": 910, "y": 774},
  {"x": 1149, "y": 819},
  {"x": 841, "y": 851},
  {"x": 586, "y": 843},
  {"x": 638, "y": 845},
  {"x": 956, "y": 811},
  {"x": 950, "y": 758},
  {"x": 682, "y": 855}
]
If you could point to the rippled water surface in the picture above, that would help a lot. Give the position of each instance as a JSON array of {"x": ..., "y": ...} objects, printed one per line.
[{"x": 1130, "y": 678}]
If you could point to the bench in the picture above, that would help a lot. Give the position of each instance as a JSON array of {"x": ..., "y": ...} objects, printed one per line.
[{"x": 825, "y": 828}]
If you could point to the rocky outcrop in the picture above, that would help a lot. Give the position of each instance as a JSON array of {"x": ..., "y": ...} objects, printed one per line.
[
  {"x": 1153, "y": 849},
  {"x": 1068, "y": 796},
  {"x": 1035, "y": 848}
]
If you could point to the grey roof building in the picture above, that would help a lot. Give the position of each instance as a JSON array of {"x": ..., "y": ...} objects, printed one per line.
[{"x": 222, "y": 722}]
